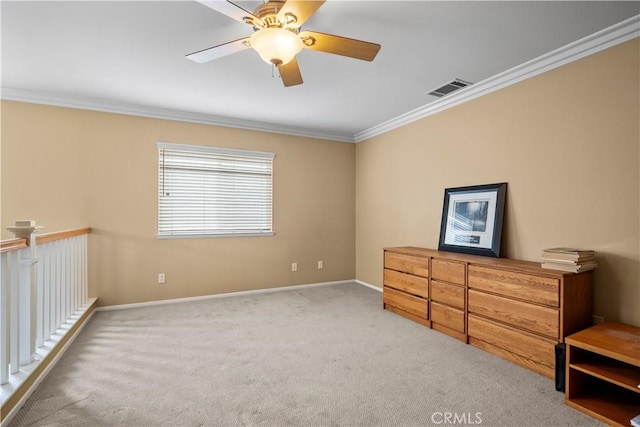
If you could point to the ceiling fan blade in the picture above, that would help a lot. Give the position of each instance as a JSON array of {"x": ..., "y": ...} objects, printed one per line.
[
  {"x": 339, "y": 45},
  {"x": 219, "y": 51},
  {"x": 302, "y": 9},
  {"x": 290, "y": 73},
  {"x": 230, "y": 9}
]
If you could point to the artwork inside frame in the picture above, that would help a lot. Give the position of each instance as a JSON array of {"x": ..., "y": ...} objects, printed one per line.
[{"x": 472, "y": 219}]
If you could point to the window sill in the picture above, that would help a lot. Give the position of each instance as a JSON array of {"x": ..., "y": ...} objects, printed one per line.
[{"x": 204, "y": 236}]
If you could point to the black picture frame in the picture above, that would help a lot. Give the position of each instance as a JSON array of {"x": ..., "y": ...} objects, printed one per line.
[{"x": 472, "y": 219}]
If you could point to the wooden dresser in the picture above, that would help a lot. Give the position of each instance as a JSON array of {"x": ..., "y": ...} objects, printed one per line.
[{"x": 513, "y": 309}]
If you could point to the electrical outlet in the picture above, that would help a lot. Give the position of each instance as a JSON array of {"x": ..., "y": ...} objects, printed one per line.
[
  {"x": 294, "y": 266},
  {"x": 597, "y": 319},
  {"x": 161, "y": 278},
  {"x": 320, "y": 265}
]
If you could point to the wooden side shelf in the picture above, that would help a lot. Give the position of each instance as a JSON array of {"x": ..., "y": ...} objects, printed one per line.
[{"x": 603, "y": 372}]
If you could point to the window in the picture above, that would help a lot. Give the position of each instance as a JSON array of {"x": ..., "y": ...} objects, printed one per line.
[{"x": 205, "y": 191}]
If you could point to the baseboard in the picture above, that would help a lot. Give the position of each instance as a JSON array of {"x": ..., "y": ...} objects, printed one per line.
[
  {"x": 225, "y": 295},
  {"x": 46, "y": 364},
  {"x": 369, "y": 285}
]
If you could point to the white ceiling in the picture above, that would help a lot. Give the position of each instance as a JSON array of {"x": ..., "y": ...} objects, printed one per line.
[{"x": 132, "y": 55}]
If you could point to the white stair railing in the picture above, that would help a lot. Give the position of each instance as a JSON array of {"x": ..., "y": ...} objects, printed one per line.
[{"x": 43, "y": 293}]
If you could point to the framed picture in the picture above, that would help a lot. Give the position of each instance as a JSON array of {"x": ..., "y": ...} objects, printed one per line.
[{"x": 472, "y": 219}]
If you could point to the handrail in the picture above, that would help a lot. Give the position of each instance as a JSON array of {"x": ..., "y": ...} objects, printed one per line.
[
  {"x": 13, "y": 245},
  {"x": 58, "y": 235},
  {"x": 9, "y": 245}
]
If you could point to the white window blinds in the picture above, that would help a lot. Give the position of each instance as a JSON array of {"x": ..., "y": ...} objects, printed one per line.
[{"x": 205, "y": 191}]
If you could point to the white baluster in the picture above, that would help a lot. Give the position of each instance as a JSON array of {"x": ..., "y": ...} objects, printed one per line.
[
  {"x": 69, "y": 281},
  {"x": 72, "y": 269},
  {"x": 74, "y": 276},
  {"x": 39, "y": 302},
  {"x": 45, "y": 260},
  {"x": 79, "y": 269},
  {"x": 63, "y": 281},
  {"x": 58, "y": 281},
  {"x": 85, "y": 268},
  {"x": 4, "y": 318},
  {"x": 14, "y": 270},
  {"x": 53, "y": 276}
]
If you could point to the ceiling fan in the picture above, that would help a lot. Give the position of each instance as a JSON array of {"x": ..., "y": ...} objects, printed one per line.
[{"x": 277, "y": 37}]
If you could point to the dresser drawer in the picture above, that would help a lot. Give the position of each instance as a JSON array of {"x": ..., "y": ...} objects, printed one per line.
[
  {"x": 542, "y": 290},
  {"x": 409, "y": 283},
  {"x": 534, "y": 318},
  {"x": 449, "y": 271},
  {"x": 529, "y": 346},
  {"x": 418, "y": 266},
  {"x": 447, "y": 316},
  {"x": 409, "y": 303},
  {"x": 448, "y": 294}
]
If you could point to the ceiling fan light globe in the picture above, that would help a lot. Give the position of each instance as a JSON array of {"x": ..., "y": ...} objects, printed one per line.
[{"x": 276, "y": 45}]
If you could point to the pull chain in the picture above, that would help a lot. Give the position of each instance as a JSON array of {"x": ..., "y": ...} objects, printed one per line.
[{"x": 274, "y": 74}]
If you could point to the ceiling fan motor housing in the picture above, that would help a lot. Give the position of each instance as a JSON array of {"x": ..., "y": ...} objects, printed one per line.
[{"x": 268, "y": 13}]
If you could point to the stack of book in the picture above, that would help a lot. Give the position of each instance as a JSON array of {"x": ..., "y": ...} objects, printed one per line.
[{"x": 569, "y": 259}]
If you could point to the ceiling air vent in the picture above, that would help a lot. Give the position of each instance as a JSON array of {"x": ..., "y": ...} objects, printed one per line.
[{"x": 449, "y": 87}]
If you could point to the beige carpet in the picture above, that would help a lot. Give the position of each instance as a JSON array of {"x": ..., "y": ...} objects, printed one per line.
[{"x": 314, "y": 357}]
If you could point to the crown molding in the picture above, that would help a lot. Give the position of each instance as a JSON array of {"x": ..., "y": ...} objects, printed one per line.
[
  {"x": 48, "y": 98},
  {"x": 604, "y": 39},
  {"x": 596, "y": 42}
]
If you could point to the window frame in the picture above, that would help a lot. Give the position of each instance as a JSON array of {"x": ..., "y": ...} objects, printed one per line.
[{"x": 208, "y": 150}]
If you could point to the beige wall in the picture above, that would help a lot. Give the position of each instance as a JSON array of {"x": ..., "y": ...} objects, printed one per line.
[
  {"x": 69, "y": 168},
  {"x": 43, "y": 171},
  {"x": 567, "y": 142}
]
